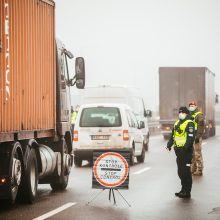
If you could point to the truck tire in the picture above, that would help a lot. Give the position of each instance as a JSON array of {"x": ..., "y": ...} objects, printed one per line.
[
  {"x": 77, "y": 161},
  {"x": 166, "y": 136},
  {"x": 15, "y": 174},
  {"x": 141, "y": 158},
  {"x": 29, "y": 185},
  {"x": 213, "y": 131},
  {"x": 61, "y": 182}
]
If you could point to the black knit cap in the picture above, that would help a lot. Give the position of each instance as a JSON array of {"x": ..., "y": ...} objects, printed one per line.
[{"x": 183, "y": 109}]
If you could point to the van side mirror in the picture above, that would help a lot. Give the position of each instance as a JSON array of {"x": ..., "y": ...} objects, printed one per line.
[
  {"x": 141, "y": 125},
  {"x": 80, "y": 72},
  {"x": 147, "y": 113}
]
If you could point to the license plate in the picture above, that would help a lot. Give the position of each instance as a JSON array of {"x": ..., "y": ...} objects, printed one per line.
[{"x": 99, "y": 137}]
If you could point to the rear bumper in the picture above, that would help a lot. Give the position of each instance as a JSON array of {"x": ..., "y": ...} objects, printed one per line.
[{"x": 87, "y": 154}]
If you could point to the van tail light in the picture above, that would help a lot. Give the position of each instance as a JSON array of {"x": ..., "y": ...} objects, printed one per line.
[
  {"x": 75, "y": 136},
  {"x": 125, "y": 135}
]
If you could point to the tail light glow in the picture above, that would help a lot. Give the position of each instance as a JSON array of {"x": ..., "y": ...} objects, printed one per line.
[
  {"x": 125, "y": 135},
  {"x": 75, "y": 136}
]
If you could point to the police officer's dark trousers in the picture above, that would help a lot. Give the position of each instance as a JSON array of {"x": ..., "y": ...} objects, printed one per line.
[{"x": 183, "y": 160}]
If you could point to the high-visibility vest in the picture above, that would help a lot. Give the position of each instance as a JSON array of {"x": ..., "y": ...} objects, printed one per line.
[
  {"x": 73, "y": 117},
  {"x": 194, "y": 118},
  {"x": 180, "y": 138}
]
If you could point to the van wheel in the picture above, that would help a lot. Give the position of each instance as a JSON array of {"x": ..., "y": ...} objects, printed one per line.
[
  {"x": 77, "y": 161},
  {"x": 141, "y": 158},
  {"x": 132, "y": 157},
  {"x": 146, "y": 143}
]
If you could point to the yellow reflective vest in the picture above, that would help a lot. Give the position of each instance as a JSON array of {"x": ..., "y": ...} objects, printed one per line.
[
  {"x": 194, "y": 119},
  {"x": 180, "y": 135},
  {"x": 73, "y": 117}
]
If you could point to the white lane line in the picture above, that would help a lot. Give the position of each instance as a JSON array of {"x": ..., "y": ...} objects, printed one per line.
[
  {"x": 204, "y": 143},
  {"x": 142, "y": 170},
  {"x": 55, "y": 211}
]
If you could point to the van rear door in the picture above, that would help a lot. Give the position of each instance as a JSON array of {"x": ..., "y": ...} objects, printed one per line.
[{"x": 100, "y": 127}]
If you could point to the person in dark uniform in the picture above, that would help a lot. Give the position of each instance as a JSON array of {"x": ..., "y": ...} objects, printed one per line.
[{"x": 182, "y": 139}]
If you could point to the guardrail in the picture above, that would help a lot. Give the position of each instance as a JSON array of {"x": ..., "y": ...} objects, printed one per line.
[{"x": 154, "y": 127}]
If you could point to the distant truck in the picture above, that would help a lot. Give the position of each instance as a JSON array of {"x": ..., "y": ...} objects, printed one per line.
[
  {"x": 35, "y": 129},
  {"x": 120, "y": 94},
  {"x": 178, "y": 86}
]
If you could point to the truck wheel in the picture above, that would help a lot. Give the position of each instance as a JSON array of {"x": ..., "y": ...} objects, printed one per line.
[
  {"x": 213, "y": 131},
  {"x": 77, "y": 161},
  {"x": 61, "y": 182},
  {"x": 15, "y": 174},
  {"x": 166, "y": 137},
  {"x": 30, "y": 181},
  {"x": 141, "y": 158},
  {"x": 132, "y": 157}
]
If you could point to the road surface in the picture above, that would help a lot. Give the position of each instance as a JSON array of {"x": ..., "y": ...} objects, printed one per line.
[{"x": 151, "y": 192}]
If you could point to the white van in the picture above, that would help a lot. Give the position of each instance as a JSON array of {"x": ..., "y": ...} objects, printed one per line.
[
  {"x": 119, "y": 94},
  {"x": 107, "y": 126}
]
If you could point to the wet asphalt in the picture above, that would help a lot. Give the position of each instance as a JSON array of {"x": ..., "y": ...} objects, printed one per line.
[{"x": 151, "y": 191}]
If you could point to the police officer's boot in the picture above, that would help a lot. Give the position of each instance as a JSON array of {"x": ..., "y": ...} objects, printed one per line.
[
  {"x": 184, "y": 195},
  {"x": 177, "y": 193}
]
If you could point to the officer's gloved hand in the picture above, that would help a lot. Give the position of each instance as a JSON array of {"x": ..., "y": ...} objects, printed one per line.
[
  {"x": 197, "y": 140},
  {"x": 168, "y": 148}
]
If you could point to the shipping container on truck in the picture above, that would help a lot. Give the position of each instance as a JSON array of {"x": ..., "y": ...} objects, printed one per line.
[
  {"x": 35, "y": 129},
  {"x": 180, "y": 85}
]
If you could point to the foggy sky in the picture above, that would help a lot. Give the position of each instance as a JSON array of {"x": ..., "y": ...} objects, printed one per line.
[{"x": 126, "y": 41}]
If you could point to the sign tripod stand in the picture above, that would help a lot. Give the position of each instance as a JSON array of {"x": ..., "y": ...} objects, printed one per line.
[{"x": 111, "y": 194}]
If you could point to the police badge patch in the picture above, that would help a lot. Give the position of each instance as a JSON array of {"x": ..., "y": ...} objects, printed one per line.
[{"x": 191, "y": 129}]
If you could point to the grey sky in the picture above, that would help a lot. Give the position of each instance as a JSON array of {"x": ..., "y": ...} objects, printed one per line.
[{"x": 125, "y": 41}]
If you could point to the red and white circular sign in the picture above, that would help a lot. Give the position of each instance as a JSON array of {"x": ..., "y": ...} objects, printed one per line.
[{"x": 110, "y": 169}]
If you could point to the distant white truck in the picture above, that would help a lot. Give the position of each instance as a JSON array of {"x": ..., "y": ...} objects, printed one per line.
[{"x": 120, "y": 94}]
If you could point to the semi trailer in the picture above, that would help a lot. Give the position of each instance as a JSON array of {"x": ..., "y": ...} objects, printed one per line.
[
  {"x": 35, "y": 128},
  {"x": 180, "y": 85}
]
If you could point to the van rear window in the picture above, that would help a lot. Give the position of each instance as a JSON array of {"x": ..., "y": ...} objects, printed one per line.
[{"x": 100, "y": 117}]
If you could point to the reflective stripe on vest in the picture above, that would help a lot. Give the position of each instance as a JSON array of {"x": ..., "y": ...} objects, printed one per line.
[
  {"x": 194, "y": 119},
  {"x": 180, "y": 138}
]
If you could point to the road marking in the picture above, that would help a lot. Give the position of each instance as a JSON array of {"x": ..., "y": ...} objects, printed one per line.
[
  {"x": 204, "y": 143},
  {"x": 142, "y": 170},
  {"x": 55, "y": 211}
]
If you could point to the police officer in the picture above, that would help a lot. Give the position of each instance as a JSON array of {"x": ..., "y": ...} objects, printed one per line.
[
  {"x": 73, "y": 116},
  {"x": 198, "y": 118},
  {"x": 182, "y": 139}
]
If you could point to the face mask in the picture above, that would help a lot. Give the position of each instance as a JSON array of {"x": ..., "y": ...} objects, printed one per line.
[
  {"x": 192, "y": 108},
  {"x": 182, "y": 116}
]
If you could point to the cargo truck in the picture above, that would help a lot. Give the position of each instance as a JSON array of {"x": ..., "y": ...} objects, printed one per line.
[
  {"x": 178, "y": 86},
  {"x": 35, "y": 129}
]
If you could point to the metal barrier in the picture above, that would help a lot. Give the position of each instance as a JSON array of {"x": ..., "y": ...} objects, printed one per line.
[{"x": 154, "y": 127}]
